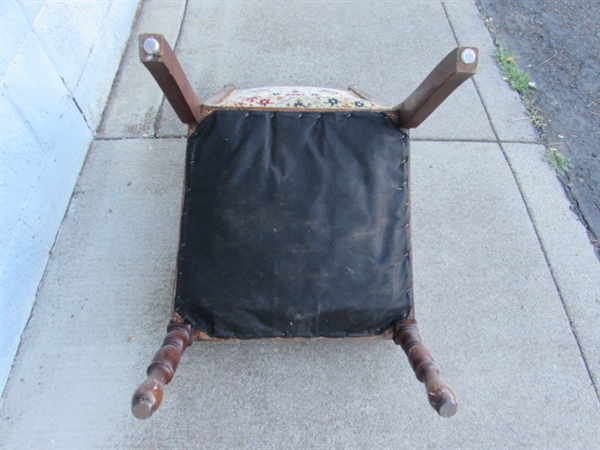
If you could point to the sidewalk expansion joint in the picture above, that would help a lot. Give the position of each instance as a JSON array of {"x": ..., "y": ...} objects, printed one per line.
[{"x": 138, "y": 138}]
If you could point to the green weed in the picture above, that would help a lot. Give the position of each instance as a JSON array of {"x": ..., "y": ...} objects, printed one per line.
[
  {"x": 557, "y": 160},
  {"x": 518, "y": 79},
  {"x": 535, "y": 116}
]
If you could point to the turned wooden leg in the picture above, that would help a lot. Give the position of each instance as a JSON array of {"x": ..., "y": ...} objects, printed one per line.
[
  {"x": 440, "y": 395},
  {"x": 148, "y": 396}
]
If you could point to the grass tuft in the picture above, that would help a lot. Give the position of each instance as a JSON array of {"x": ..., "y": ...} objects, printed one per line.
[
  {"x": 558, "y": 161},
  {"x": 535, "y": 115},
  {"x": 518, "y": 79}
]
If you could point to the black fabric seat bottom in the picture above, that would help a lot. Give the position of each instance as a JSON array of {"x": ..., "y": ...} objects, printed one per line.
[{"x": 295, "y": 225}]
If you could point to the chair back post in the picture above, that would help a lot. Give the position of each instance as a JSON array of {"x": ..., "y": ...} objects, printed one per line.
[
  {"x": 457, "y": 67},
  {"x": 160, "y": 60}
]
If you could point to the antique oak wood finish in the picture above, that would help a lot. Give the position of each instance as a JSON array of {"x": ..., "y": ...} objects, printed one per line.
[
  {"x": 450, "y": 73},
  {"x": 440, "y": 395},
  {"x": 439, "y": 84},
  {"x": 166, "y": 70},
  {"x": 223, "y": 93},
  {"x": 148, "y": 396},
  {"x": 362, "y": 94}
]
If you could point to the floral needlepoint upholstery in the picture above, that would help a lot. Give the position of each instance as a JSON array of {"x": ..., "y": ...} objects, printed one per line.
[{"x": 295, "y": 97}]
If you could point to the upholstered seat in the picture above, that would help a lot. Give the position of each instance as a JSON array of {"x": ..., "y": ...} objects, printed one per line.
[{"x": 295, "y": 97}]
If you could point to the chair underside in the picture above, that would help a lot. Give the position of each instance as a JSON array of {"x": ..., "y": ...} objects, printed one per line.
[
  {"x": 296, "y": 217},
  {"x": 295, "y": 225}
]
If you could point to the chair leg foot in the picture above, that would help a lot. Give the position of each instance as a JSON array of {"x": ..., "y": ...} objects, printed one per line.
[
  {"x": 148, "y": 396},
  {"x": 440, "y": 395}
]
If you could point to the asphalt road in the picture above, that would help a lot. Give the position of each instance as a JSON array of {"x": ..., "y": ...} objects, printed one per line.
[{"x": 558, "y": 43}]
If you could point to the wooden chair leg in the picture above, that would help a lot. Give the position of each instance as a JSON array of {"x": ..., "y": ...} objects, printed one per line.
[
  {"x": 160, "y": 60},
  {"x": 451, "y": 72},
  {"x": 440, "y": 395},
  {"x": 148, "y": 397}
]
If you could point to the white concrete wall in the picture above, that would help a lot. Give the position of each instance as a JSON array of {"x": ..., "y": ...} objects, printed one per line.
[{"x": 58, "y": 60}]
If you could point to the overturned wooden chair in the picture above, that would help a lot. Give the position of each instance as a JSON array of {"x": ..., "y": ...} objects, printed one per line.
[{"x": 296, "y": 217}]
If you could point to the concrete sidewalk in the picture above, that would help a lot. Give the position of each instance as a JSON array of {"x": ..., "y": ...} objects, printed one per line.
[{"x": 507, "y": 285}]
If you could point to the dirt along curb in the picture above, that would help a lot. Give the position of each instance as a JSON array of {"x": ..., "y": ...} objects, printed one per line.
[{"x": 556, "y": 44}]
